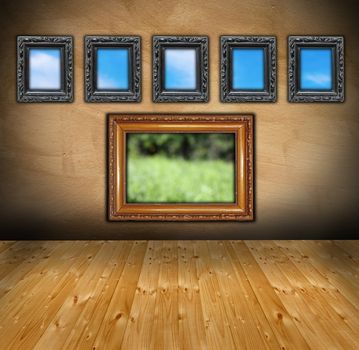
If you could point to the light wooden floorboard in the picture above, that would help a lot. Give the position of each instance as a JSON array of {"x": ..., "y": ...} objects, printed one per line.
[{"x": 179, "y": 295}]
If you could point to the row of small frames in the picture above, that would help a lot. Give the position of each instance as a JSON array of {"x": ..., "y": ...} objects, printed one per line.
[{"x": 180, "y": 69}]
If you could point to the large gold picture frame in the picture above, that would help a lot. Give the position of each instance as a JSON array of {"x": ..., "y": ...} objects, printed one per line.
[{"x": 119, "y": 125}]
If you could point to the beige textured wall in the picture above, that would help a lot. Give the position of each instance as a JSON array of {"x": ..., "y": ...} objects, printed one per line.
[{"x": 53, "y": 156}]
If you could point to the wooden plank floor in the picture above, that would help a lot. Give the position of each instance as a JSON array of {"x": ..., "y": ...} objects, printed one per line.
[{"x": 179, "y": 295}]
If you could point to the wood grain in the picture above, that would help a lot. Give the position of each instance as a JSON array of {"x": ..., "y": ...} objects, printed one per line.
[
  {"x": 53, "y": 156},
  {"x": 179, "y": 295}
]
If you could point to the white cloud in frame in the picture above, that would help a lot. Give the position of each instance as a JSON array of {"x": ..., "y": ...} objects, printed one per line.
[
  {"x": 319, "y": 79},
  {"x": 316, "y": 68},
  {"x": 112, "y": 69},
  {"x": 105, "y": 82},
  {"x": 45, "y": 66},
  {"x": 180, "y": 68}
]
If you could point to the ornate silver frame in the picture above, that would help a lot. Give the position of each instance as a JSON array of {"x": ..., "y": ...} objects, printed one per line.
[
  {"x": 297, "y": 95},
  {"x": 269, "y": 93},
  {"x": 159, "y": 94},
  {"x": 133, "y": 94},
  {"x": 24, "y": 94}
]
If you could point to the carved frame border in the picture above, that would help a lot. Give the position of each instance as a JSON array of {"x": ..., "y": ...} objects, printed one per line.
[
  {"x": 159, "y": 94},
  {"x": 269, "y": 94},
  {"x": 119, "y": 210},
  {"x": 297, "y": 95},
  {"x": 24, "y": 42},
  {"x": 133, "y": 43}
]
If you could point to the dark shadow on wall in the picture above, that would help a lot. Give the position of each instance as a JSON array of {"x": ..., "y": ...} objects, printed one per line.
[
  {"x": 80, "y": 229},
  {"x": 17, "y": 224}
]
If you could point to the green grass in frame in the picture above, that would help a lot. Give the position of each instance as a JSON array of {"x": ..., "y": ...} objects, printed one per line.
[{"x": 180, "y": 168}]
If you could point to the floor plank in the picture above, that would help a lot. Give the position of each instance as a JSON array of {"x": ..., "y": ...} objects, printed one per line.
[
  {"x": 313, "y": 314},
  {"x": 328, "y": 267},
  {"x": 166, "y": 335},
  {"x": 113, "y": 326},
  {"x": 282, "y": 323},
  {"x": 140, "y": 330},
  {"x": 192, "y": 334},
  {"x": 18, "y": 254},
  {"x": 351, "y": 248},
  {"x": 87, "y": 325},
  {"x": 255, "y": 308},
  {"x": 330, "y": 293},
  {"x": 84, "y": 291},
  {"x": 48, "y": 294},
  {"x": 247, "y": 331},
  {"x": 218, "y": 329},
  {"x": 179, "y": 295},
  {"x": 4, "y": 245}
]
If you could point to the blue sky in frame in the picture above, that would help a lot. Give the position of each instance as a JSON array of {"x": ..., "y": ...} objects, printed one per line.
[
  {"x": 45, "y": 68},
  {"x": 248, "y": 69},
  {"x": 112, "y": 69},
  {"x": 180, "y": 69},
  {"x": 316, "y": 68}
]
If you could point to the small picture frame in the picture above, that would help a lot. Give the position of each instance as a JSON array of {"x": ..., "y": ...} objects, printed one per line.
[
  {"x": 316, "y": 69},
  {"x": 180, "y": 167},
  {"x": 112, "y": 68},
  {"x": 248, "y": 68},
  {"x": 180, "y": 69},
  {"x": 44, "y": 68}
]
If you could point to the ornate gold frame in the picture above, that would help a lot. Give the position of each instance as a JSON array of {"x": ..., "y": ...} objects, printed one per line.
[{"x": 240, "y": 125}]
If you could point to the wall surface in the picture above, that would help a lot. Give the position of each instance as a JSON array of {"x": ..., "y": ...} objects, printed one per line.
[{"x": 53, "y": 156}]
